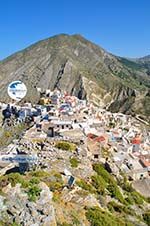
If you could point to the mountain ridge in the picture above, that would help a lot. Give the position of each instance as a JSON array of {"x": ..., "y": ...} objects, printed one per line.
[{"x": 84, "y": 69}]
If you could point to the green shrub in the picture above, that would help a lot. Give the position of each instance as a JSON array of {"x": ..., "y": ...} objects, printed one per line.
[
  {"x": 74, "y": 162},
  {"x": 52, "y": 179},
  {"x": 33, "y": 193},
  {"x": 138, "y": 199},
  {"x": 112, "y": 186},
  {"x": 125, "y": 184},
  {"x": 127, "y": 187},
  {"x": 99, "y": 183},
  {"x": 15, "y": 224},
  {"x": 34, "y": 181},
  {"x": 39, "y": 173},
  {"x": 7, "y": 136},
  {"x": 148, "y": 199},
  {"x": 75, "y": 219},
  {"x": 98, "y": 217},
  {"x": 129, "y": 199},
  {"x": 146, "y": 217},
  {"x": 3, "y": 181},
  {"x": 115, "y": 192},
  {"x": 86, "y": 186},
  {"x": 15, "y": 178},
  {"x": 82, "y": 193},
  {"x": 6, "y": 223},
  {"x": 64, "y": 224},
  {"x": 56, "y": 196},
  {"x": 105, "y": 152},
  {"x": 100, "y": 170},
  {"x": 64, "y": 145},
  {"x": 54, "y": 185},
  {"x": 116, "y": 207},
  {"x": 57, "y": 175}
]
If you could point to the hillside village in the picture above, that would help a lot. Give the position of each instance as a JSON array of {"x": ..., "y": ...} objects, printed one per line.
[{"x": 74, "y": 154}]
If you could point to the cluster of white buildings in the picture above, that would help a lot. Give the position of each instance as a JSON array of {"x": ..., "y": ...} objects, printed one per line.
[{"x": 115, "y": 136}]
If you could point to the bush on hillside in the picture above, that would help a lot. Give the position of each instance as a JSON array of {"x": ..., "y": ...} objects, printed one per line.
[
  {"x": 64, "y": 224},
  {"x": 99, "y": 183},
  {"x": 33, "y": 193},
  {"x": 39, "y": 173},
  {"x": 138, "y": 198},
  {"x": 98, "y": 217},
  {"x": 129, "y": 199},
  {"x": 115, "y": 192},
  {"x": 146, "y": 217},
  {"x": 112, "y": 186},
  {"x": 74, "y": 162},
  {"x": 122, "y": 209},
  {"x": 86, "y": 186},
  {"x": 64, "y": 145},
  {"x": 14, "y": 178},
  {"x": 100, "y": 170}
]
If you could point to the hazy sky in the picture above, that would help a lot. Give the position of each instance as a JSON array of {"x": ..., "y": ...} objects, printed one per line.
[{"x": 120, "y": 26}]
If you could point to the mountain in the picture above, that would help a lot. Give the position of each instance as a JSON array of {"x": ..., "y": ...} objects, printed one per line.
[
  {"x": 76, "y": 65},
  {"x": 145, "y": 62},
  {"x": 145, "y": 59}
]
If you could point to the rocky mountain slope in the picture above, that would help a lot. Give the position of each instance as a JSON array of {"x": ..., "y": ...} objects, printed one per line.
[
  {"x": 145, "y": 62},
  {"x": 145, "y": 59},
  {"x": 40, "y": 198},
  {"x": 76, "y": 65}
]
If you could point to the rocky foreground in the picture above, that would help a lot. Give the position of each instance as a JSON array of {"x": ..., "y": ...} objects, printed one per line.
[{"x": 16, "y": 207}]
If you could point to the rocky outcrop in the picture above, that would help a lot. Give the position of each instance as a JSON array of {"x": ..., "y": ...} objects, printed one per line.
[
  {"x": 16, "y": 207},
  {"x": 123, "y": 100}
]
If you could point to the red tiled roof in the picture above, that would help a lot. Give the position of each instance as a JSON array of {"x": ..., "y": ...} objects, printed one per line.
[
  {"x": 136, "y": 140},
  {"x": 100, "y": 139},
  {"x": 91, "y": 136}
]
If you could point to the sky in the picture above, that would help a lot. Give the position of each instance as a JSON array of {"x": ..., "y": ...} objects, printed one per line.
[{"x": 122, "y": 27}]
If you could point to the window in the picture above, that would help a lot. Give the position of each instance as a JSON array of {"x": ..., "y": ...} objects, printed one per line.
[
  {"x": 96, "y": 156},
  {"x": 141, "y": 176}
]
